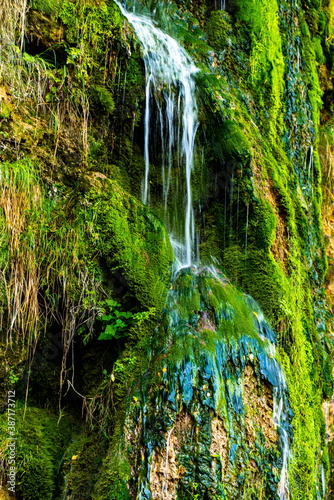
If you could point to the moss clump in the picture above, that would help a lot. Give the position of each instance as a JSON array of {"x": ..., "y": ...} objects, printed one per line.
[
  {"x": 40, "y": 446},
  {"x": 5, "y": 110},
  {"x": 194, "y": 396},
  {"x": 266, "y": 60},
  {"x": 113, "y": 481},
  {"x": 249, "y": 268},
  {"x": 82, "y": 461},
  {"x": 218, "y": 29}
]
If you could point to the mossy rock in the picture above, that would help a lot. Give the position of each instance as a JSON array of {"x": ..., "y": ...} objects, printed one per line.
[
  {"x": 132, "y": 241},
  {"x": 218, "y": 28},
  {"x": 39, "y": 450}
]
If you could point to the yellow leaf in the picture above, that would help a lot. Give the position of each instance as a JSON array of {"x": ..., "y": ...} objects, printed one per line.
[{"x": 75, "y": 457}]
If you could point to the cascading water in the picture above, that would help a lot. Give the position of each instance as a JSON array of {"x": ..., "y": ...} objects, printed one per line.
[
  {"x": 323, "y": 481},
  {"x": 191, "y": 311},
  {"x": 170, "y": 85}
]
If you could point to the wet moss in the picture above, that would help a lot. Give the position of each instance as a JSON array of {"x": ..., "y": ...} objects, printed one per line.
[
  {"x": 131, "y": 239},
  {"x": 38, "y": 451},
  {"x": 82, "y": 461}
]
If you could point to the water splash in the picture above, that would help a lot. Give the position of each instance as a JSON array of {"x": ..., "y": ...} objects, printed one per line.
[
  {"x": 281, "y": 406},
  {"x": 170, "y": 89}
]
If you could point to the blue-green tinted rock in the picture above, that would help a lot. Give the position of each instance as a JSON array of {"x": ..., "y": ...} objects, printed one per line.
[{"x": 199, "y": 395}]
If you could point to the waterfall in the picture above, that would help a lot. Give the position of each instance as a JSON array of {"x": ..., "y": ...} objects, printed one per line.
[
  {"x": 171, "y": 112},
  {"x": 171, "y": 88}
]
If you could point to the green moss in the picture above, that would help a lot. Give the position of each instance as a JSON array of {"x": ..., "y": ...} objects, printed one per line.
[
  {"x": 82, "y": 461},
  {"x": 233, "y": 140},
  {"x": 39, "y": 449},
  {"x": 5, "y": 110},
  {"x": 104, "y": 98},
  {"x": 47, "y": 6},
  {"x": 266, "y": 60},
  {"x": 263, "y": 225},
  {"x": 132, "y": 239},
  {"x": 113, "y": 480},
  {"x": 218, "y": 30},
  {"x": 260, "y": 276}
]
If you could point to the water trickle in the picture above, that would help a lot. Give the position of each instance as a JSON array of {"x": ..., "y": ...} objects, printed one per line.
[
  {"x": 165, "y": 484},
  {"x": 247, "y": 222},
  {"x": 323, "y": 481},
  {"x": 310, "y": 163},
  {"x": 280, "y": 419},
  {"x": 170, "y": 89},
  {"x": 280, "y": 402}
]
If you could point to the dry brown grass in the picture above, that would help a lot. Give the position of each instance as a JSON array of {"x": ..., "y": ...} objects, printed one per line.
[
  {"x": 43, "y": 279},
  {"x": 22, "y": 278}
]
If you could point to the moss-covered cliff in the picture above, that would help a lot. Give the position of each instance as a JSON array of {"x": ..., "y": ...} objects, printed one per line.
[{"x": 131, "y": 382}]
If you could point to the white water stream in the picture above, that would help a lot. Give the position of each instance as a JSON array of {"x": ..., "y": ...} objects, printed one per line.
[
  {"x": 171, "y": 87},
  {"x": 279, "y": 416},
  {"x": 323, "y": 481}
]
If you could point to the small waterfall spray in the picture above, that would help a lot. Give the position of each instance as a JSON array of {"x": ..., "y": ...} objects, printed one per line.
[{"x": 280, "y": 403}]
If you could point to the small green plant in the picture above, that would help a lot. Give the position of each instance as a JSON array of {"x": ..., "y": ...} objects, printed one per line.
[
  {"x": 115, "y": 321},
  {"x": 13, "y": 378}
]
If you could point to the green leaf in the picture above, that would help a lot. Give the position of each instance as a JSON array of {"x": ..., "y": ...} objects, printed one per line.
[
  {"x": 107, "y": 317},
  {"x": 123, "y": 314},
  {"x": 112, "y": 303},
  {"x": 104, "y": 336},
  {"x": 110, "y": 329}
]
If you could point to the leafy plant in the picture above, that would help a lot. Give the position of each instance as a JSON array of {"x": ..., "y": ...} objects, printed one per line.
[
  {"x": 115, "y": 321},
  {"x": 13, "y": 378}
]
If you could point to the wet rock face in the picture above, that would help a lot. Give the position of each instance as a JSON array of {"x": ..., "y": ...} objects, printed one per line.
[{"x": 210, "y": 422}]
